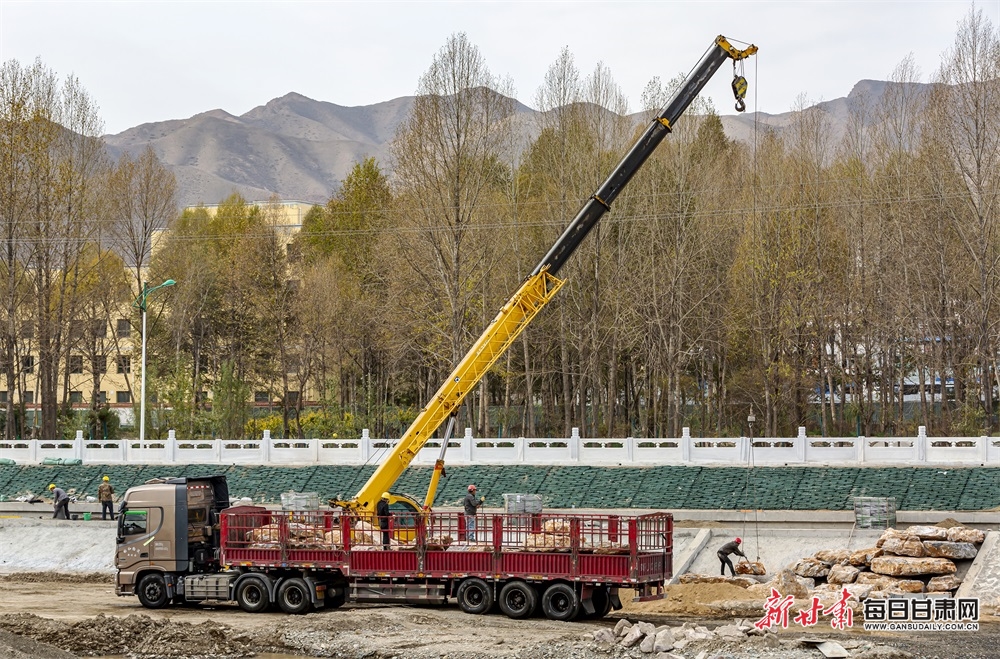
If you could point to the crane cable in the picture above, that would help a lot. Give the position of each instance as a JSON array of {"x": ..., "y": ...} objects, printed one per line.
[{"x": 751, "y": 476}]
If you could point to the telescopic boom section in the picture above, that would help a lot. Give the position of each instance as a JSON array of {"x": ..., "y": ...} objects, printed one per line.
[{"x": 540, "y": 286}]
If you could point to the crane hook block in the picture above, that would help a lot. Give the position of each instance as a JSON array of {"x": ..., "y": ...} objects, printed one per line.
[{"x": 740, "y": 92}]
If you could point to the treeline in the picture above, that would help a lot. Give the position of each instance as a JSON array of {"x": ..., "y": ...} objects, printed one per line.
[{"x": 847, "y": 286}]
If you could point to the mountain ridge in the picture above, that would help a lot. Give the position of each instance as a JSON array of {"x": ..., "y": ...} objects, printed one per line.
[{"x": 300, "y": 149}]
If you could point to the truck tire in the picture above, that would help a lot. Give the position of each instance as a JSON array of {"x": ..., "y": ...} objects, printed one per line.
[
  {"x": 518, "y": 600},
  {"x": 601, "y": 600},
  {"x": 474, "y": 596},
  {"x": 293, "y": 596},
  {"x": 252, "y": 595},
  {"x": 152, "y": 591},
  {"x": 559, "y": 602}
]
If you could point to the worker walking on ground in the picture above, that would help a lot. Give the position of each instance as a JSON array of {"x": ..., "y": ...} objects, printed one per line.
[
  {"x": 724, "y": 552},
  {"x": 471, "y": 504},
  {"x": 60, "y": 501},
  {"x": 106, "y": 495},
  {"x": 383, "y": 514}
]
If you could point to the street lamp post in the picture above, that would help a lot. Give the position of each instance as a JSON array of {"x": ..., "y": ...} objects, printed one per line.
[{"x": 140, "y": 303}]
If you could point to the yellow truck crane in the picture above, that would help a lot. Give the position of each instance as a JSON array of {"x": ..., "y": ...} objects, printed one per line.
[
  {"x": 179, "y": 541},
  {"x": 535, "y": 292}
]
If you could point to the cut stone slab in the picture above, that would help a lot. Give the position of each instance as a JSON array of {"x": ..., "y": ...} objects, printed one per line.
[
  {"x": 927, "y": 532},
  {"x": 908, "y": 545},
  {"x": 832, "y": 556},
  {"x": 953, "y": 550},
  {"x": 943, "y": 583},
  {"x": 903, "y": 566},
  {"x": 833, "y": 650},
  {"x": 965, "y": 534},
  {"x": 910, "y": 585}
]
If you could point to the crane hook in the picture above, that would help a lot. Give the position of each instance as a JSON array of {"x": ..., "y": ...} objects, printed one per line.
[{"x": 740, "y": 91}]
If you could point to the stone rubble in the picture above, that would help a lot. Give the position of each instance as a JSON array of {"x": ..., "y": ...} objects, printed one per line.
[{"x": 694, "y": 641}]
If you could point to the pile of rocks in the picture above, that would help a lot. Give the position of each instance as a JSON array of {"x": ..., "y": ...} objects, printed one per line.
[
  {"x": 918, "y": 559},
  {"x": 663, "y": 641}
]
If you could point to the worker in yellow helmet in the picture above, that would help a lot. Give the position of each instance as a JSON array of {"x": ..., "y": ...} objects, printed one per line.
[
  {"x": 60, "y": 501},
  {"x": 384, "y": 518},
  {"x": 106, "y": 495}
]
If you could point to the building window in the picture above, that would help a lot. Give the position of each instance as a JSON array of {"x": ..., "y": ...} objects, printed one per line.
[
  {"x": 261, "y": 397},
  {"x": 100, "y": 364},
  {"x": 76, "y": 363},
  {"x": 28, "y": 331},
  {"x": 29, "y": 397},
  {"x": 76, "y": 397},
  {"x": 124, "y": 364},
  {"x": 100, "y": 329},
  {"x": 124, "y": 328},
  {"x": 123, "y": 397},
  {"x": 28, "y": 364},
  {"x": 102, "y": 398},
  {"x": 293, "y": 397},
  {"x": 3, "y": 397}
]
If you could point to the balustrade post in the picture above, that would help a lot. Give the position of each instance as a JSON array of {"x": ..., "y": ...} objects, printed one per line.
[
  {"x": 801, "y": 442},
  {"x": 574, "y": 446},
  {"x": 859, "y": 448},
  {"x": 78, "y": 445},
  {"x": 984, "y": 449},
  {"x": 467, "y": 446},
  {"x": 630, "y": 449},
  {"x": 171, "y": 447},
  {"x": 686, "y": 444},
  {"x": 265, "y": 447},
  {"x": 366, "y": 446},
  {"x": 922, "y": 444},
  {"x": 519, "y": 449}
]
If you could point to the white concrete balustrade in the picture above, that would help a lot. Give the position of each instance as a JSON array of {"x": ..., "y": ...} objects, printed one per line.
[{"x": 685, "y": 450}]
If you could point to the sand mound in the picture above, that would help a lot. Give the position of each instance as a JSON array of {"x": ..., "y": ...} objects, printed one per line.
[{"x": 687, "y": 599}]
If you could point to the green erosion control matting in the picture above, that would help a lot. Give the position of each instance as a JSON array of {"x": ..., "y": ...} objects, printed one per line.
[{"x": 656, "y": 487}]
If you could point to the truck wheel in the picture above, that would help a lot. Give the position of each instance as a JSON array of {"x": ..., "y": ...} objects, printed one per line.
[
  {"x": 252, "y": 596},
  {"x": 559, "y": 602},
  {"x": 152, "y": 591},
  {"x": 601, "y": 600},
  {"x": 518, "y": 600},
  {"x": 293, "y": 596},
  {"x": 474, "y": 596}
]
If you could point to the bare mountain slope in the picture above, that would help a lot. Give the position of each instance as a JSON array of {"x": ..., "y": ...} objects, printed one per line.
[{"x": 300, "y": 149}]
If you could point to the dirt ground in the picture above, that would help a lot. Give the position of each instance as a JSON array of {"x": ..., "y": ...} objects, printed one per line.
[{"x": 83, "y": 616}]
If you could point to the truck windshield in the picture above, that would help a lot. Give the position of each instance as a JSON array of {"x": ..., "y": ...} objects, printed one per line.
[{"x": 133, "y": 522}]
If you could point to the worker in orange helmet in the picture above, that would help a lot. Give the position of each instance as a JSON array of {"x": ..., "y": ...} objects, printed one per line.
[
  {"x": 724, "y": 552},
  {"x": 471, "y": 504}
]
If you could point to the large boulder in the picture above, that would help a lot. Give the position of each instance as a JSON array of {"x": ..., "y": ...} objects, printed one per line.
[
  {"x": 927, "y": 532},
  {"x": 965, "y": 534},
  {"x": 876, "y": 581},
  {"x": 908, "y": 545},
  {"x": 889, "y": 533},
  {"x": 943, "y": 584},
  {"x": 910, "y": 585},
  {"x": 832, "y": 556},
  {"x": 954, "y": 550},
  {"x": 663, "y": 641},
  {"x": 840, "y": 574},
  {"x": 810, "y": 567},
  {"x": 904, "y": 566},
  {"x": 863, "y": 557},
  {"x": 785, "y": 583}
]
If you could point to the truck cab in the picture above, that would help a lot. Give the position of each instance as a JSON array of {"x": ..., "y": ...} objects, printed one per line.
[{"x": 168, "y": 528}]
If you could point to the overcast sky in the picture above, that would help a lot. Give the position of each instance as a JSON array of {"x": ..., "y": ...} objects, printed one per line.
[{"x": 152, "y": 61}]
